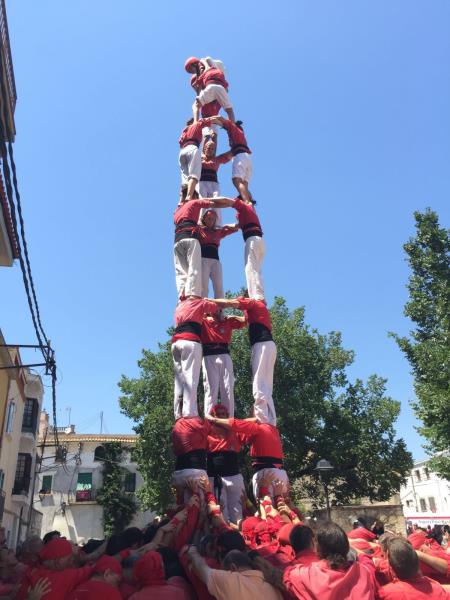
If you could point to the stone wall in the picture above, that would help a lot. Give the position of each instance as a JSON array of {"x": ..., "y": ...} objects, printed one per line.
[{"x": 390, "y": 514}]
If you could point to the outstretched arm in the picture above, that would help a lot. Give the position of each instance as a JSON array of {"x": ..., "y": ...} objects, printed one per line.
[
  {"x": 222, "y": 202},
  {"x": 226, "y": 302}
]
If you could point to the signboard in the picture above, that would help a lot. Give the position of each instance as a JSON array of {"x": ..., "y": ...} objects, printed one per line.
[{"x": 424, "y": 521}]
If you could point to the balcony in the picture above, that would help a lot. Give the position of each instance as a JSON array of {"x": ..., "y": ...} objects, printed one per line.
[
  {"x": 8, "y": 75},
  {"x": 88, "y": 496}
]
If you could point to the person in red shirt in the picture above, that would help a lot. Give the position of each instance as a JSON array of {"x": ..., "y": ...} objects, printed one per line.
[
  {"x": 409, "y": 583},
  {"x": 210, "y": 237},
  {"x": 103, "y": 583},
  {"x": 209, "y": 184},
  {"x": 149, "y": 571},
  {"x": 190, "y": 157},
  {"x": 223, "y": 466},
  {"x": 212, "y": 83},
  {"x": 333, "y": 576},
  {"x": 186, "y": 251},
  {"x": 266, "y": 450},
  {"x": 187, "y": 353},
  {"x": 57, "y": 560},
  {"x": 242, "y": 165},
  {"x": 218, "y": 373},
  {"x": 301, "y": 539},
  {"x": 189, "y": 445},
  {"x": 264, "y": 354}
]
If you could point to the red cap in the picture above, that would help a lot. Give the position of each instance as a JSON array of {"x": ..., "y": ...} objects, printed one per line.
[
  {"x": 191, "y": 61},
  {"x": 149, "y": 569},
  {"x": 56, "y": 548},
  {"x": 108, "y": 563}
]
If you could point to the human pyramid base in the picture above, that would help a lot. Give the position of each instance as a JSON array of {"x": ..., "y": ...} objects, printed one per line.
[{"x": 214, "y": 542}]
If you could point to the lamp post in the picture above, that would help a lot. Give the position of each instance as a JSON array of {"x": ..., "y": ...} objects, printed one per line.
[{"x": 324, "y": 466}]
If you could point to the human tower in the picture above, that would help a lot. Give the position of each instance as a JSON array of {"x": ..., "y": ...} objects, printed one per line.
[{"x": 209, "y": 446}]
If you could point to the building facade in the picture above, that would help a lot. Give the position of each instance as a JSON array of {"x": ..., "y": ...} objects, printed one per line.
[
  {"x": 425, "y": 497},
  {"x": 68, "y": 481}
]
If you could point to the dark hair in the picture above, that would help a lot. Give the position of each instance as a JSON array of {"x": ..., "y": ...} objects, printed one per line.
[
  {"x": 48, "y": 537},
  {"x": 402, "y": 558},
  {"x": 189, "y": 122},
  {"x": 91, "y": 545},
  {"x": 437, "y": 534},
  {"x": 301, "y": 537},
  {"x": 384, "y": 540},
  {"x": 238, "y": 559},
  {"x": 446, "y": 528},
  {"x": 113, "y": 546},
  {"x": 239, "y": 124},
  {"x": 131, "y": 536},
  {"x": 172, "y": 566},
  {"x": 149, "y": 533},
  {"x": 230, "y": 540},
  {"x": 332, "y": 545}
]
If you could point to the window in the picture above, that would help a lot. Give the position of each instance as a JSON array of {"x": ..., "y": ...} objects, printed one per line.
[
  {"x": 30, "y": 415},
  {"x": 23, "y": 474},
  {"x": 432, "y": 503},
  {"x": 417, "y": 474},
  {"x": 409, "y": 503},
  {"x": 423, "y": 505},
  {"x": 2, "y": 479},
  {"x": 47, "y": 484},
  {"x": 10, "y": 417},
  {"x": 426, "y": 473},
  {"x": 83, "y": 491},
  {"x": 99, "y": 453},
  {"x": 129, "y": 484}
]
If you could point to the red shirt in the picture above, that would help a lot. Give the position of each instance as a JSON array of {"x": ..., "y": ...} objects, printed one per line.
[
  {"x": 255, "y": 311},
  {"x": 245, "y": 213},
  {"x": 304, "y": 558},
  {"x": 176, "y": 588},
  {"x": 62, "y": 582},
  {"x": 236, "y": 136},
  {"x": 192, "y": 134},
  {"x": 220, "y": 332},
  {"x": 214, "y": 163},
  {"x": 212, "y": 76},
  {"x": 190, "y": 210},
  {"x": 93, "y": 590},
  {"x": 192, "y": 309},
  {"x": 212, "y": 237},
  {"x": 220, "y": 440},
  {"x": 263, "y": 437},
  {"x": 190, "y": 434},
  {"x": 418, "y": 588},
  {"x": 211, "y": 109}
]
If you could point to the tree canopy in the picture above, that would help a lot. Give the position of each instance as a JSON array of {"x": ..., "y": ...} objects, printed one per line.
[
  {"x": 428, "y": 346},
  {"x": 320, "y": 414}
]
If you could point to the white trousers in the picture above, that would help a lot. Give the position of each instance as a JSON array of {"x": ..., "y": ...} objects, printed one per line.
[
  {"x": 180, "y": 477},
  {"x": 264, "y": 355},
  {"x": 212, "y": 269},
  {"x": 214, "y": 91},
  {"x": 230, "y": 496},
  {"x": 190, "y": 161},
  {"x": 255, "y": 248},
  {"x": 187, "y": 360},
  {"x": 280, "y": 474},
  {"x": 210, "y": 189},
  {"x": 187, "y": 258},
  {"x": 242, "y": 166},
  {"x": 218, "y": 379}
]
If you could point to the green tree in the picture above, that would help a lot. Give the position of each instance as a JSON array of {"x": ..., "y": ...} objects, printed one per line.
[
  {"x": 118, "y": 507},
  {"x": 428, "y": 347},
  {"x": 320, "y": 414}
]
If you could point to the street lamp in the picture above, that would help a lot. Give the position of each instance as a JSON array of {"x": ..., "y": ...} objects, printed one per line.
[{"x": 324, "y": 466}]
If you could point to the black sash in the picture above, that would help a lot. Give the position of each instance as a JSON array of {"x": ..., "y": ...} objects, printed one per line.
[
  {"x": 190, "y": 141},
  {"x": 251, "y": 229},
  {"x": 189, "y": 327},
  {"x": 240, "y": 148},
  {"x": 196, "y": 459},
  {"x": 209, "y": 251},
  {"x": 257, "y": 332},
  {"x": 184, "y": 230},
  {"x": 211, "y": 349},
  {"x": 266, "y": 462},
  {"x": 224, "y": 463},
  {"x": 208, "y": 175}
]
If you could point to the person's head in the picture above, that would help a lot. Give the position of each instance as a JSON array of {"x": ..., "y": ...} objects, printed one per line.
[
  {"x": 183, "y": 193},
  {"x": 402, "y": 557},
  {"x": 92, "y": 545},
  {"x": 109, "y": 569},
  {"x": 57, "y": 554},
  {"x": 7, "y": 558},
  {"x": 171, "y": 565},
  {"x": 189, "y": 122},
  {"x": 209, "y": 148},
  {"x": 240, "y": 125},
  {"x": 209, "y": 219},
  {"x": 237, "y": 561},
  {"x": 149, "y": 569},
  {"x": 230, "y": 540},
  {"x": 50, "y": 535},
  {"x": 192, "y": 65},
  {"x": 332, "y": 545},
  {"x": 131, "y": 538},
  {"x": 220, "y": 411},
  {"x": 150, "y": 533},
  {"x": 437, "y": 534},
  {"x": 384, "y": 540},
  {"x": 301, "y": 538}
]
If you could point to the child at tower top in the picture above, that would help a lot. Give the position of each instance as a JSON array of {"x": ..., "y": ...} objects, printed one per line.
[{"x": 211, "y": 82}]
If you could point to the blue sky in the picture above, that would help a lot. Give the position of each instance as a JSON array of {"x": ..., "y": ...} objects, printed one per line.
[{"x": 345, "y": 106}]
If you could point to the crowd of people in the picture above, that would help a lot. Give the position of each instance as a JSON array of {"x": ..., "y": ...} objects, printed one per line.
[
  {"x": 195, "y": 552},
  {"x": 216, "y": 541}
]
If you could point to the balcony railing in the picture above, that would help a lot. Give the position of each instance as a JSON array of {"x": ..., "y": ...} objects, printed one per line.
[{"x": 80, "y": 496}]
